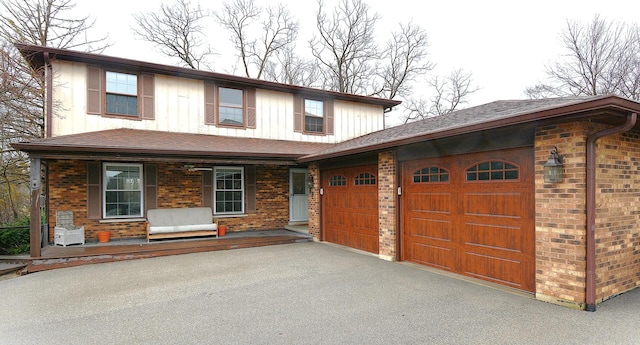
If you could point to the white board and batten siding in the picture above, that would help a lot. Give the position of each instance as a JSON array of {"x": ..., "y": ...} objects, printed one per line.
[{"x": 179, "y": 106}]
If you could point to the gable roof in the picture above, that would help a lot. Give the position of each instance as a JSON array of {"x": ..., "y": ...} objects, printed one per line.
[
  {"x": 483, "y": 117},
  {"x": 37, "y": 55},
  {"x": 133, "y": 142}
]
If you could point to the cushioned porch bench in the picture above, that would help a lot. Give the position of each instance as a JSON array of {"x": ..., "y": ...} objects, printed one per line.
[{"x": 180, "y": 222}]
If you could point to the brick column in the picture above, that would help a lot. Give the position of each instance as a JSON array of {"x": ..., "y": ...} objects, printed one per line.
[
  {"x": 560, "y": 216},
  {"x": 314, "y": 202},
  {"x": 387, "y": 205}
]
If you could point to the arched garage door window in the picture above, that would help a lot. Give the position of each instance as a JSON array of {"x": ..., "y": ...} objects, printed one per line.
[
  {"x": 431, "y": 174},
  {"x": 365, "y": 179},
  {"x": 493, "y": 171},
  {"x": 337, "y": 181}
]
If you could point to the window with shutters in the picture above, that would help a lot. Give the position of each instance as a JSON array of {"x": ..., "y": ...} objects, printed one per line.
[
  {"x": 229, "y": 106},
  {"x": 313, "y": 115},
  {"x": 122, "y": 194},
  {"x": 121, "y": 94},
  {"x": 228, "y": 190}
]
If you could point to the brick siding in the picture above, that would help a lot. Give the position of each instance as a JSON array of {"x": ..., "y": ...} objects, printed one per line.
[
  {"x": 314, "y": 202},
  {"x": 176, "y": 188},
  {"x": 387, "y": 204},
  {"x": 561, "y": 215}
]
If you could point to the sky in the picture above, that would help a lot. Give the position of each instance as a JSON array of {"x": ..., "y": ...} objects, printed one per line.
[{"x": 505, "y": 45}]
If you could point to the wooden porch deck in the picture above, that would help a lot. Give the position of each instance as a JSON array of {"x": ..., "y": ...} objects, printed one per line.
[{"x": 54, "y": 257}]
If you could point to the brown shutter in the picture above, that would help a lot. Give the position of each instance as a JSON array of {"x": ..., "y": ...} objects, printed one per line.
[
  {"x": 94, "y": 90},
  {"x": 250, "y": 189},
  {"x": 207, "y": 189},
  {"x": 146, "y": 94},
  {"x": 209, "y": 104},
  {"x": 150, "y": 186},
  {"x": 251, "y": 108},
  {"x": 328, "y": 113},
  {"x": 94, "y": 190},
  {"x": 298, "y": 116}
]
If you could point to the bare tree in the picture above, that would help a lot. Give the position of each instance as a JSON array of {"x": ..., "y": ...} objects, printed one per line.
[
  {"x": 178, "y": 32},
  {"x": 345, "y": 47},
  {"x": 449, "y": 94},
  {"x": 405, "y": 55},
  {"x": 39, "y": 22},
  {"x": 279, "y": 32},
  {"x": 48, "y": 23},
  {"x": 290, "y": 68},
  {"x": 600, "y": 57}
]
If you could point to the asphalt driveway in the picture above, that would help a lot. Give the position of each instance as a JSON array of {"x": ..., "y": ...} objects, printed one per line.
[{"x": 304, "y": 293}]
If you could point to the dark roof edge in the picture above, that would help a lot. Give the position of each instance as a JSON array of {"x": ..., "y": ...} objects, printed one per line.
[
  {"x": 608, "y": 101},
  {"x": 32, "y": 52}
]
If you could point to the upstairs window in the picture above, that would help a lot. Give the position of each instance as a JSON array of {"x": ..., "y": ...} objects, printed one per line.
[
  {"x": 122, "y": 93},
  {"x": 230, "y": 108},
  {"x": 313, "y": 116}
]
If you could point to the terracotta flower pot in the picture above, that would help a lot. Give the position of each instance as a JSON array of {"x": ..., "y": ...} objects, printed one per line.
[
  {"x": 103, "y": 236},
  {"x": 222, "y": 230}
]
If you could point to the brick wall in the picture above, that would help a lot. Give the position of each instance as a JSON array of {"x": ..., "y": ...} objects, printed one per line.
[
  {"x": 314, "y": 202},
  {"x": 176, "y": 188},
  {"x": 617, "y": 214},
  {"x": 387, "y": 204},
  {"x": 561, "y": 215}
]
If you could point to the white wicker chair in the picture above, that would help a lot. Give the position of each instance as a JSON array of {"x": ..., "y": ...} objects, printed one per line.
[{"x": 66, "y": 232}]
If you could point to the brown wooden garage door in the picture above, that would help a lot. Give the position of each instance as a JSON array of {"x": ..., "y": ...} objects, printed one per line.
[
  {"x": 473, "y": 215},
  {"x": 350, "y": 207}
]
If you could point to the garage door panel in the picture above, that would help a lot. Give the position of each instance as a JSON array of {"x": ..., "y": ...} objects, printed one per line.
[
  {"x": 435, "y": 256},
  {"x": 430, "y": 202},
  {"x": 493, "y": 204},
  {"x": 431, "y": 228},
  {"x": 496, "y": 269},
  {"x": 494, "y": 236}
]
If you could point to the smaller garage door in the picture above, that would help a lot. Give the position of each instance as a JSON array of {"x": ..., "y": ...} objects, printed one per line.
[
  {"x": 473, "y": 215},
  {"x": 350, "y": 207}
]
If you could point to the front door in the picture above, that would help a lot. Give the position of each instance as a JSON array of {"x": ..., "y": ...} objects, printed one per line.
[{"x": 298, "y": 195}]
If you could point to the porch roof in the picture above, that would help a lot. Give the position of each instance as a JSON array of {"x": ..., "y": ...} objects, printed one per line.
[
  {"x": 153, "y": 145},
  {"x": 604, "y": 109}
]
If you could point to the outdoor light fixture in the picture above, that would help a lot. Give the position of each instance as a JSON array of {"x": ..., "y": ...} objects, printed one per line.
[
  {"x": 310, "y": 181},
  {"x": 553, "y": 167}
]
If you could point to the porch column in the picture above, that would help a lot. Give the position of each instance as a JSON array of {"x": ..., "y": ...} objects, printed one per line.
[
  {"x": 387, "y": 205},
  {"x": 35, "y": 226},
  {"x": 314, "y": 202}
]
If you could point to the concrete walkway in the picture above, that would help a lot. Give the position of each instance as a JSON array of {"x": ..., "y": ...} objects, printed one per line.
[{"x": 304, "y": 293}]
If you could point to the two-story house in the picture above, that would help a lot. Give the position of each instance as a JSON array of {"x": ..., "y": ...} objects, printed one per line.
[{"x": 475, "y": 193}]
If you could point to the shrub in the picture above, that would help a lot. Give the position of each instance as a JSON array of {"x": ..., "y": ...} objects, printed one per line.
[{"x": 15, "y": 238}]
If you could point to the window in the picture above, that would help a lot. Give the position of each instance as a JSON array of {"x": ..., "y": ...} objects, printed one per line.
[
  {"x": 313, "y": 116},
  {"x": 492, "y": 171},
  {"x": 230, "y": 107},
  {"x": 430, "y": 174},
  {"x": 122, "y": 93},
  {"x": 337, "y": 180},
  {"x": 122, "y": 190},
  {"x": 365, "y": 179},
  {"x": 228, "y": 190}
]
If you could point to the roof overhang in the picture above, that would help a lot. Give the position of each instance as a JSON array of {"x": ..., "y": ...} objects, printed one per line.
[
  {"x": 142, "y": 145},
  {"x": 36, "y": 55},
  {"x": 603, "y": 109}
]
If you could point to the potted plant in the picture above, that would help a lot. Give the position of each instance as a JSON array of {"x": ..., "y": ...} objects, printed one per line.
[{"x": 103, "y": 236}]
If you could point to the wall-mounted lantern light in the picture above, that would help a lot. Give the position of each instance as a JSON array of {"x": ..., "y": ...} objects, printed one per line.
[
  {"x": 309, "y": 181},
  {"x": 553, "y": 167}
]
